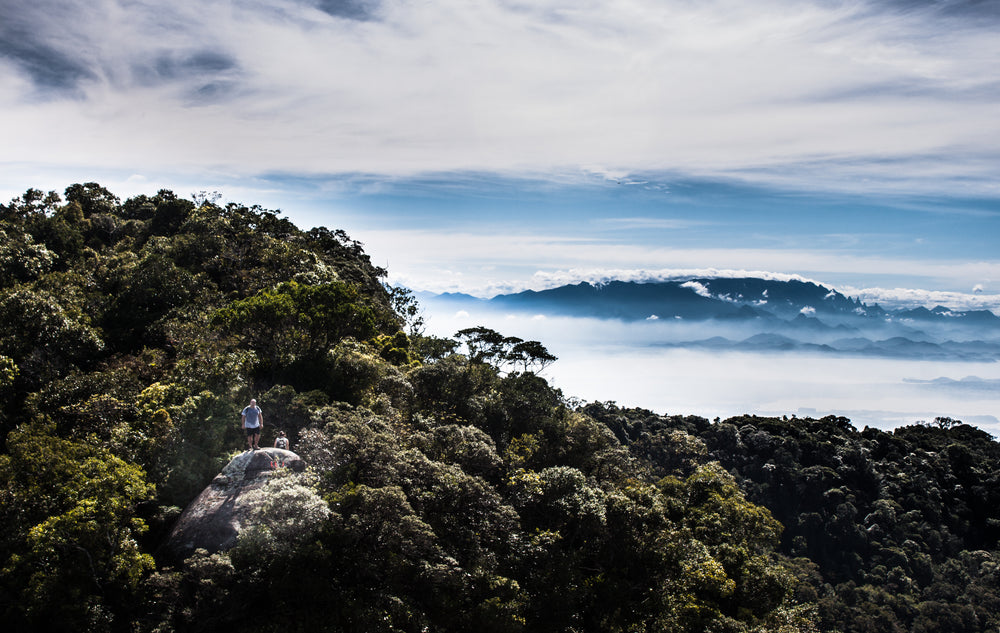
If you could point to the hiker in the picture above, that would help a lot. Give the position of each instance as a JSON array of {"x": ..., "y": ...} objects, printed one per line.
[
  {"x": 253, "y": 422},
  {"x": 281, "y": 441}
]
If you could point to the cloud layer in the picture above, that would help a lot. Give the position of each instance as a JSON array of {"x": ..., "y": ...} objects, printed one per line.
[
  {"x": 609, "y": 360},
  {"x": 846, "y": 94},
  {"x": 489, "y": 263}
]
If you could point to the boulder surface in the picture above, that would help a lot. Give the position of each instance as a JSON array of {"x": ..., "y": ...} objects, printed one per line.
[{"x": 213, "y": 520}]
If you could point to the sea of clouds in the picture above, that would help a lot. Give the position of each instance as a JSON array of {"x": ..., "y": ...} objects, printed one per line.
[{"x": 609, "y": 360}]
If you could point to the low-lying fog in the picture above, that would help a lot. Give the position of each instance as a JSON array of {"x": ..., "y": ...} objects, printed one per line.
[{"x": 627, "y": 363}]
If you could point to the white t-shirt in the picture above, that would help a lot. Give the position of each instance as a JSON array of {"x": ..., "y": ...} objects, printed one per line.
[{"x": 253, "y": 416}]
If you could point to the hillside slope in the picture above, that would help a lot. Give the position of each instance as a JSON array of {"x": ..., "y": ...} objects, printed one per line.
[{"x": 444, "y": 491}]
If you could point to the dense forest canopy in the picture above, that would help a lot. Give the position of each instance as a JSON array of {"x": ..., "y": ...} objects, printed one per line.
[{"x": 449, "y": 487}]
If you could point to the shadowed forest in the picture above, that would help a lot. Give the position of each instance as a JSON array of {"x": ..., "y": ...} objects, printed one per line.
[{"x": 449, "y": 487}]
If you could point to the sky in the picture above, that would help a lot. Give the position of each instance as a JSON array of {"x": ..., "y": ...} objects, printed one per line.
[{"x": 487, "y": 146}]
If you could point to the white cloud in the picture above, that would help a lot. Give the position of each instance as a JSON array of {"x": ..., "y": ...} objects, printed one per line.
[
  {"x": 808, "y": 311},
  {"x": 914, "y": 297},
  {"x": 714, "y": 384},
  {"x": 698, "y": 288},
  {"x": 604, "y": 275},
  {"x": 488, "y": 263},
  {"x": 613, "y": 360},
  {"x": 822, "y": 93}
]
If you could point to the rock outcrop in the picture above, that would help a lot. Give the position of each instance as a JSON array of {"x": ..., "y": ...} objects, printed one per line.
[{"x": 213, "y": 520}]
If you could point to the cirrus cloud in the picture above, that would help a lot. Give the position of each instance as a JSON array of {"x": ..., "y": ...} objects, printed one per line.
[{"x": 814, "y": 94}]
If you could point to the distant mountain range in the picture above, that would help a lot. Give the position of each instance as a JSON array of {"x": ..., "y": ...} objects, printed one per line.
[
  {"x": 770, "y": 315},
  {"x": 895, "y": 347}
]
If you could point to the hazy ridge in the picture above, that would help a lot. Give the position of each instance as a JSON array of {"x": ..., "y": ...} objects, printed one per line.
[{"x": 774, "y": 315}]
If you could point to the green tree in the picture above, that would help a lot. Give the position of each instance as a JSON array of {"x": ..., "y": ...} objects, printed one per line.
[
  {"x": 93, "y": 199},
  {"x": 297, "y": 321},
  {"x": 46, "y": 335},
  {"x": 405, "y": 305},
  {"x": 483, "y": 345},
  {"x": 21, "y": 258},
  {"x": 142, "y": 290},
  {"x": 33, "y": 204},
  {"x": 69, "y": 545},
  {"x": 529, "y": 355}
]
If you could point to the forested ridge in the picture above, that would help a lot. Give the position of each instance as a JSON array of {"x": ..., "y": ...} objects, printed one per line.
[{"x": 449, "y": 487}]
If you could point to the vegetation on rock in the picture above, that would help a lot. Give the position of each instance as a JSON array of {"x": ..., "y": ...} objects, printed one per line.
[{"x": 445, "y": 491}]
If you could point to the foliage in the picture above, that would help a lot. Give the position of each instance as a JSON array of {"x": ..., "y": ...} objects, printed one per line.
[
  {"x": 489, "y": 346},
  {"x": 295, "y": 322},
  {"x": 890, "y": 522},
  {"x": 445, "y": 491},
  {"x": 286, "y": 514},
  {"x": 405, "y": 305},
  {"x": 21, "y": 258},
  {"x": 69, "y": 546}
]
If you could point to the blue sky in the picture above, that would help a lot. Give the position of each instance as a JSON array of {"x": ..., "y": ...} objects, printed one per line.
[
  {"x": 595, "y": 228},
  {"x": 493, "y": 145}
]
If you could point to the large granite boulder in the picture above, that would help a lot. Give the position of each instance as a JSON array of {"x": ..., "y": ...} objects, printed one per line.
[{"x": 213, "y": 520}]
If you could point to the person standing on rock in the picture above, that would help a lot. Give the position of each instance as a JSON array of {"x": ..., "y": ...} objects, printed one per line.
[
  {"x": 281, "y": 441},
  {"x": 253, "y": 422}
]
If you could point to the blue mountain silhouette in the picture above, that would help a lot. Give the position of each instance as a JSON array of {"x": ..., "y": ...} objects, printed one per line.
[{"x": 780, "y": 315}]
